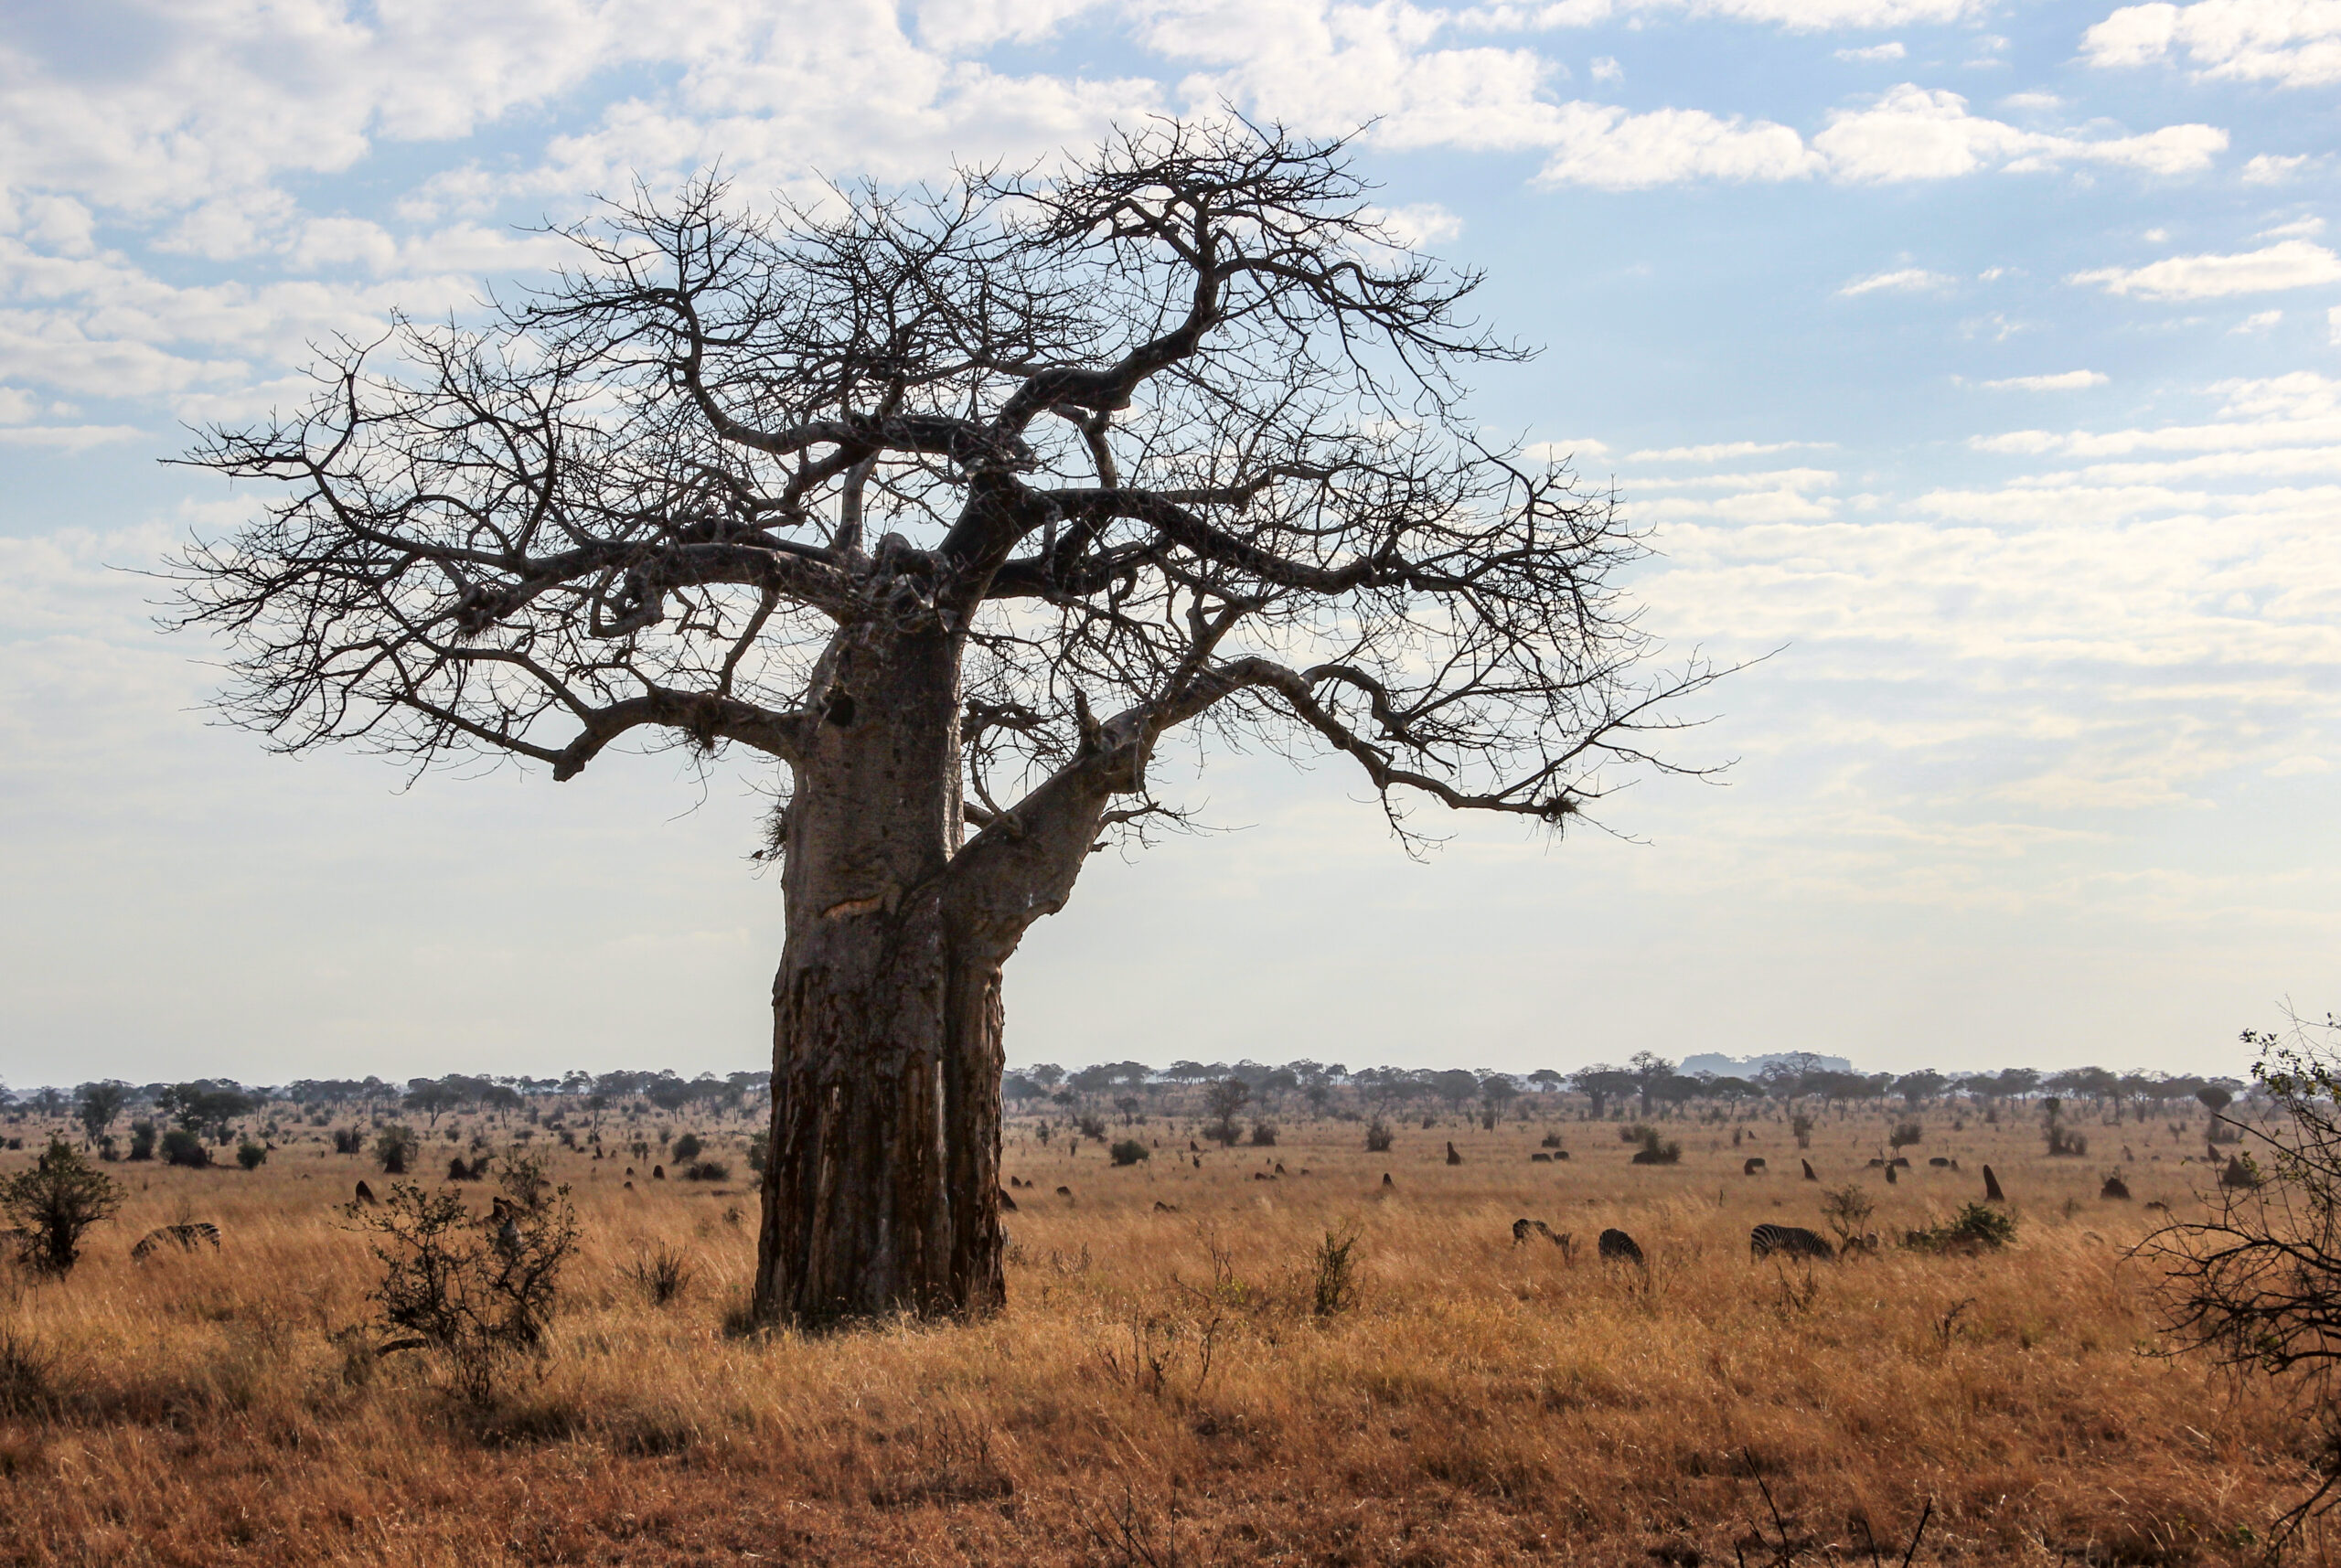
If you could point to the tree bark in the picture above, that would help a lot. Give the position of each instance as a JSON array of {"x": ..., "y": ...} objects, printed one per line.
[{"x": 881, "y": 1194}]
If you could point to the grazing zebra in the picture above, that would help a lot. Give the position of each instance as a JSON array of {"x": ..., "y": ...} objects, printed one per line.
[
  {"x": 1616, "y": 1246},
  {"x": 1524, "y": 1228},
  {"x": 186, "y": 1236},
  {"x": 1793, "y": 1240}
]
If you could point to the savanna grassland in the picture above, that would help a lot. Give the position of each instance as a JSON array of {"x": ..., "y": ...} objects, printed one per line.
[{"x": 1164, "y": 1388}]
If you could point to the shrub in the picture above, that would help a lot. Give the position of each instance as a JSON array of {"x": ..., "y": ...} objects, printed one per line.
[
  {"x": 707, "y": 1170},
  {"x": 395, "y": 1148},
  {"x": 1802, "y": 1125},
  {"x": 1656, "y": 1150},
  {"x": 1553, "y": 1140},
  {"x": 1847, "y": 1210},
  {"x": 1377, "y": 1136},
  {"x": 1905, "y": 1134},
  {"x": 142, "y": 1140},
  {"x": 54, "y": 1202},
  {"x": 1091, "y": 1127},
  {"x": 183, "y": 1147},
  {"x": 1264, "y": 1134},
  {"x": 2063, "y": 1142},
  {"x": 28, "y": 1375},
  {"x": 348, "y": 1140},
  {"x": 1129, "y": 1151},
  {"x": 1976, "y": 1226},
  {"x": 479, "y": 1289},
  {"x": 251, "y": 1156},
  {"x": 686, "y": 1147},
  {"x": 1335, "y": 1288},
  {"x": 662, "y": 1276}
]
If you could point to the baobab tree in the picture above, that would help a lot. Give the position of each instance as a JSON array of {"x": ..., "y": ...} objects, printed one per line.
[{"x": 958, "y": 505}]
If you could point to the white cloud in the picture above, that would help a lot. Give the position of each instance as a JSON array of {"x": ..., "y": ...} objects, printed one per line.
[
  {"x": 2300, "y": 228},
  {"x": 2258, "y": 322},
  {"x": 1719, "y": 451},
  {"x": 2333, "y": 325},
  {"x": 1610, "y": 149},
  {"x": 2302, "y": 409},
  {"x": 1915, "y": 132},
  {"x": 2273, "y": 169},
  {"x": 1421, "y": 223},
  {"x": 1607, "y": 68},
  {"x": 2292, "y": 264},
  {"x": 1904, "y": 281},
  {"x": 1874, "y": 54},
  {"x": 2292, "y": 43},
  {"x": 2062, "y": 381},
  {"x": 1908, "y": 132},
  {"x": 68, "y": 438},
  {"x": 1795, "y": 16}
]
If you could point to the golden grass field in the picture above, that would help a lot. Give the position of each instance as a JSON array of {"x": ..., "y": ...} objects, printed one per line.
[{"x": 1143, "y": 1404}]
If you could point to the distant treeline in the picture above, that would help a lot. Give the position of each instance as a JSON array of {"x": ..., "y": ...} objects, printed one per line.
[
  {"x": 1648, "y": 1083},
  {"x": 215, "y": 1103}
]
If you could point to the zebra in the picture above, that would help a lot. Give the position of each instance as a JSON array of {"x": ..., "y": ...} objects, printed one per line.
[
  {"x": 1793, "y": 1240},
  {"x": 1524, "y": 1228},
  {"x": 185, "y": 1236},
  {"x": 1616, "y": 1246}
]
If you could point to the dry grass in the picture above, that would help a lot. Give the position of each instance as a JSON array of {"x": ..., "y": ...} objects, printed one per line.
[{"x": 1163, "y": 1389}]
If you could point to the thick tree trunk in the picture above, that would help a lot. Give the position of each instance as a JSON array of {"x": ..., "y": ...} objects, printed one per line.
[{"x": 882, "y": 1194}]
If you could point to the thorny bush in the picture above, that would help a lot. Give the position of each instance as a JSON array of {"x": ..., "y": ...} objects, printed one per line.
[
  {"x": 478, "y": 1288},
  {"x": 2257, "y": 1283}
]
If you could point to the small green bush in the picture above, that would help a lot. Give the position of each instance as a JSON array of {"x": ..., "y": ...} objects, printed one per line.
[
  {"x": 1378, "y": 1136},
  {"x": 142, "y": 1140},
  {"x": 707, "y": 1170},
  {"x": 183, "y": 1147},
  {"x": 1976, "y": 1226},
  {"x": 688, "y": 1147},
  {"x": 251, "y": 1156},
  {"x": 1129, "y": 1151},
  {"x": 52, "y": 1203}
]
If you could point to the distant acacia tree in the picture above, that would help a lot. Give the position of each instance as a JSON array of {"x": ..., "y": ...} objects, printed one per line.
[
  {"x": 98, "y": 1105},
  {"x": 959, "y": 506}
]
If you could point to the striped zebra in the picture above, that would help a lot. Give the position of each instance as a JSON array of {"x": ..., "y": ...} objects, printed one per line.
[
  {"x": 1616, "y": 1246},
  {"x": 1793, "y": 1240},
  {"x": 183, "y": 1236}
]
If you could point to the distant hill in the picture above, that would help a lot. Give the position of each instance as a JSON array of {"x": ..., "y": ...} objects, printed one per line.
[{"x": 1750, "y": 1066}]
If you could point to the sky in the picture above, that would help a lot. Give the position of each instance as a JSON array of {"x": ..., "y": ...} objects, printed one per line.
[{"x": 1976, "y": 366}]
